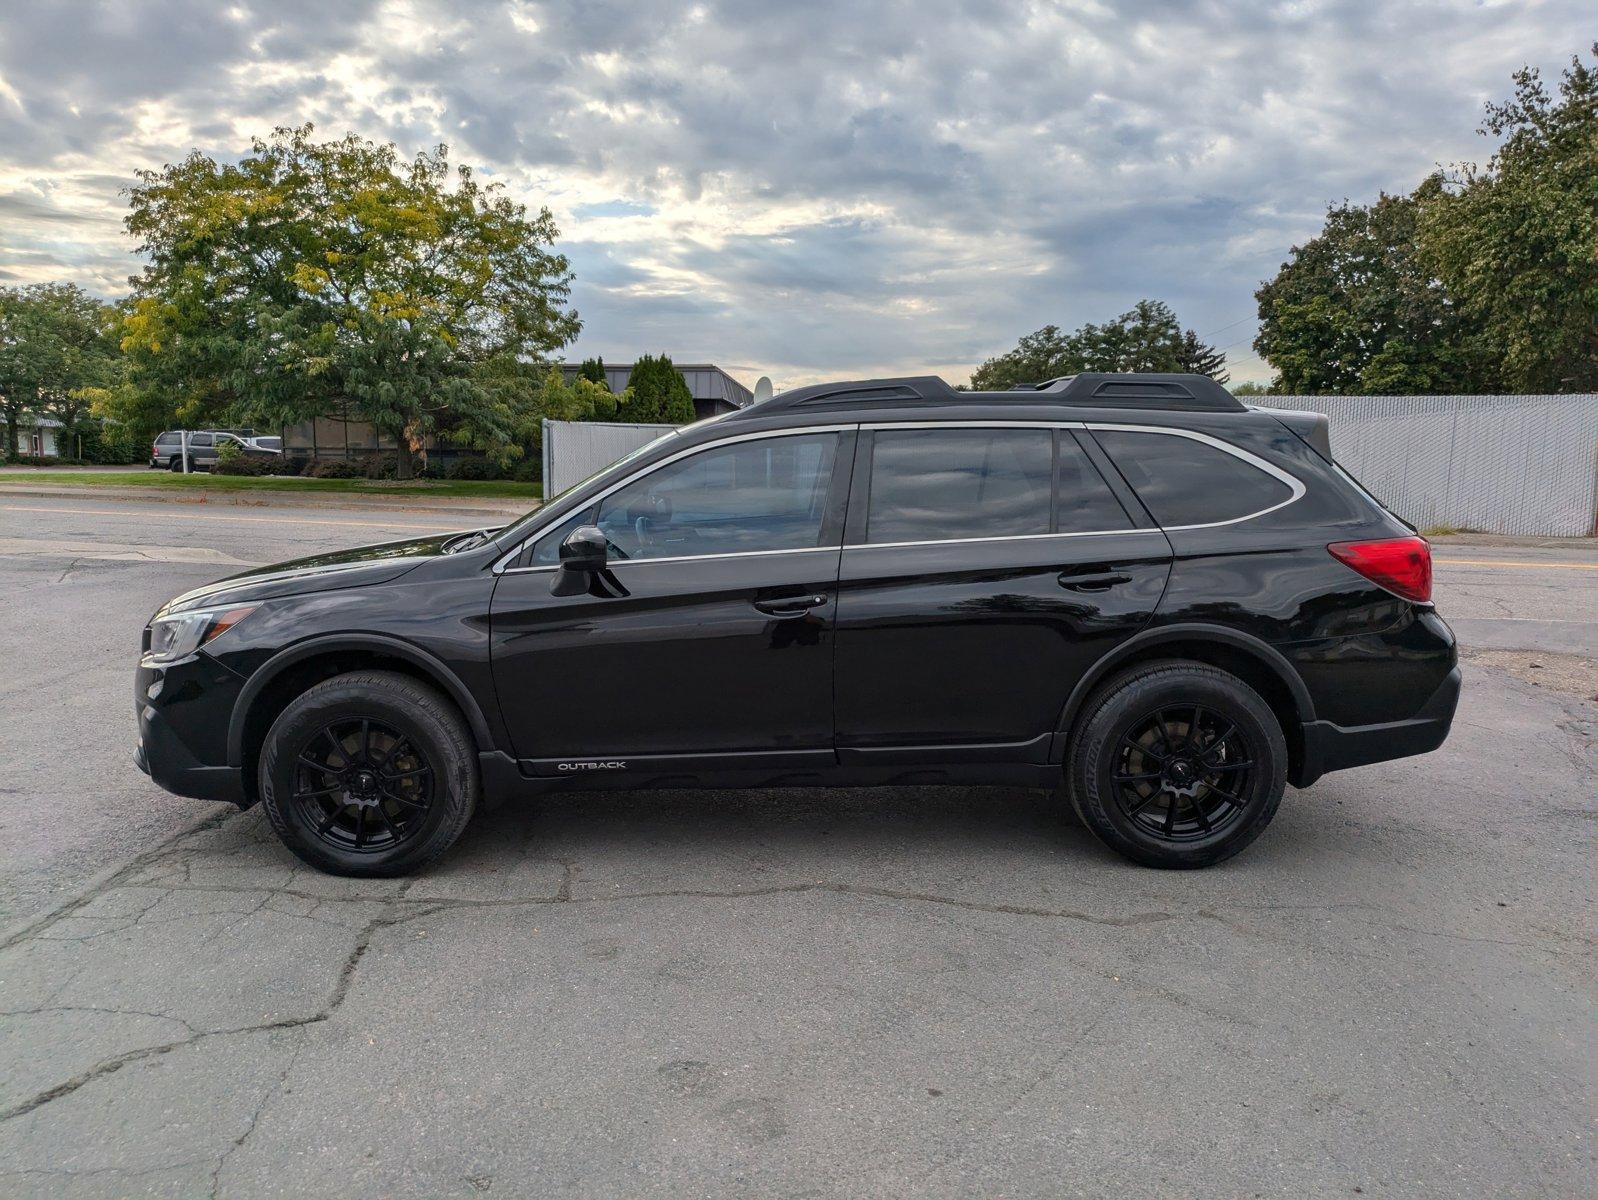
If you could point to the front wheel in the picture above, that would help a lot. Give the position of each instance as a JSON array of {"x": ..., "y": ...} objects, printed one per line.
[
  {"x": 1177, "y": 764},
  {"x": 370, "y": 774}
]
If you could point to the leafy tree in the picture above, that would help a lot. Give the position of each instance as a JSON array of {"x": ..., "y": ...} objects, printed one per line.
[
  {"x": 1044, "y": 354},
  {"x": 594, "y": 369},
  {"x": 1148, "y": 337},
  {"x": 660, "y": 394},
  {"x": 1249, "y": 388},
  {"x": 1515, "y": 243},
  {"x": 56, "y": 342},
  {"x": 1199, "y": 358},
  {"x": 314, "y": 274},
  {"x": 1358, "y": 309},
  {"x": 522, "y": 395}
]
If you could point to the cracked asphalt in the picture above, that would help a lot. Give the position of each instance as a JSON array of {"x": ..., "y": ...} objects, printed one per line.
[{"x": 939, "y": 992}]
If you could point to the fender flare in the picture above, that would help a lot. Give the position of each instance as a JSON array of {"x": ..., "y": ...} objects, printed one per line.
[
  {"x": 430, "y": 665},
  {"x": 1263, "y": 652}
]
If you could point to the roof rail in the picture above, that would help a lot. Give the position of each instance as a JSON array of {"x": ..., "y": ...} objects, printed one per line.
[
  {"x": 1091, "y": 389},
  {"x": 1142, "y": 389}
]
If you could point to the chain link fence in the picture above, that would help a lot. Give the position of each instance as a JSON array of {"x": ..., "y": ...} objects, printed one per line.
[{"x": 1497, "y": 464}]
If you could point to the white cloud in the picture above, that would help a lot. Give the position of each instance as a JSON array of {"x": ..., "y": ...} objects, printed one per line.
[{"x": 808, "y": 190}]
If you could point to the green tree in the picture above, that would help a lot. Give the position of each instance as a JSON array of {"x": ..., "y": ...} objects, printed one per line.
[
  {"x": 1515, "y": 243},
  {"x": 1358, "y": 309},
  {"x": 659, "y": 393},
  {"x": 1249, "y": 388},
  {"x": 313, "y": 274},
  {"x": 1147, "y": 337},
  {"x": 594, "y": 369},
  {"x": 56, "y": 343}
]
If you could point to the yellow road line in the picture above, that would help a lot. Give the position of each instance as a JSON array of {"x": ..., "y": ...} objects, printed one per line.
[
  {"x": 279, "y": 520},
  {"x": 1505, "y": 562}
]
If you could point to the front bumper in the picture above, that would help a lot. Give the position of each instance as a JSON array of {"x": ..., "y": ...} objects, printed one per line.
[
  {"x": 1330, "y": 747},
  {"x": 183, "y": 711}
]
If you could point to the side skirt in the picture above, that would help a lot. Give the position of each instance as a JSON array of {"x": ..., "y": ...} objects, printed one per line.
[{"x": 504, "y": 777}]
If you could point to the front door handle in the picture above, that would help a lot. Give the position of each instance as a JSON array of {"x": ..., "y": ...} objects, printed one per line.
[
  {"x": 1102, "y": 582},
  {"x": 790, "y": 606}
]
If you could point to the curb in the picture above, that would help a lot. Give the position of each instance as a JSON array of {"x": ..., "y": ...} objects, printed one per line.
[{"x": 465, "y": 506}]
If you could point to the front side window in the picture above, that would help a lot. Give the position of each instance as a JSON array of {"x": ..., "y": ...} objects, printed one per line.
[
  {"x": 746, "y": 497},
  {"x": 1183, "y": 481},
  {"x": 943, "y": 484}
]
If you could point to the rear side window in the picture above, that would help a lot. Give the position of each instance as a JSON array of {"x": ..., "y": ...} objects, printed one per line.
[
  {"x": 199, "y": 439},
  {"x": 932, "y": 485},
  {"x": 936, "y": 484},
  {"x": 169, "y": 439},
  {"x": 1183, "y": 481}
]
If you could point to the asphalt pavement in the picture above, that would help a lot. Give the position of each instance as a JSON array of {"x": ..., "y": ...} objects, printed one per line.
[{"x": 854, "y": 993}]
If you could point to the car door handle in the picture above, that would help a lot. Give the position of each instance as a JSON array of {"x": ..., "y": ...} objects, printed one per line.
[
  {"x": 1101, "y": 582},
  {"x": 790, "y": 606}
]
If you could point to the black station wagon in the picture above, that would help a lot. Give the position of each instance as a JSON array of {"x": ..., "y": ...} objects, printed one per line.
[{"x": 1131, "y": 585}]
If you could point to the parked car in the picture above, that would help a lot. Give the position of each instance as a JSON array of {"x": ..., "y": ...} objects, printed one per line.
[
  {"x": 166, "y": 450},
  {"x": 1131, "y": 585}
]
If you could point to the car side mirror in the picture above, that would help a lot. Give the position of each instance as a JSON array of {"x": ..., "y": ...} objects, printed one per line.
[{"x": 583, "y": 557}]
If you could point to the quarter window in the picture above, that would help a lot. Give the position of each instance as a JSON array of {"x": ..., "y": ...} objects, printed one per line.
[
  {"x": 1183, "y": 481},
  {"x": 769, "y": 494}
]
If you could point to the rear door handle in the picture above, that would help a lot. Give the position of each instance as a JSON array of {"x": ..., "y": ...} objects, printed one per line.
[
  {"x": 1092, "y": 583},
  {"x": 790, "y": 606}
]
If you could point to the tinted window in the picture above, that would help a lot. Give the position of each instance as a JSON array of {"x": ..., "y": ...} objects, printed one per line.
[
  {"x": 933, "y": 484},
  {"x": 1084, "y": 501},
  {"x": 769, "y": 494},
  {"x": 199, "y": 439},
  {"x": 1187, "y": 482},
  {"x": 169, "y": 439}
]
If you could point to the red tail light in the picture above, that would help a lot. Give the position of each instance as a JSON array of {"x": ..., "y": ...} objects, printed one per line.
[{"x": 1401, "y": 565}]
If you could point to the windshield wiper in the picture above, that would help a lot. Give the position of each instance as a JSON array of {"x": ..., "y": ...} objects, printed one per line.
[{"x": 466, "y": 541}]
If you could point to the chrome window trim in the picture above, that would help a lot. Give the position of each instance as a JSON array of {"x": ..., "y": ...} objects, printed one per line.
[
  {"x": 1296, "y": 486},
  {"x": 501, "y": 568},
  {"x": 998, "y": 537}
]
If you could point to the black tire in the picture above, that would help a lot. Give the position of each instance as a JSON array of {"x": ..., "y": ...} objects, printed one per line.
[
  {"x": 369, "y": 774},
  {"x": 1177, "y": 765},
  {"x": 175, "y": 463}
]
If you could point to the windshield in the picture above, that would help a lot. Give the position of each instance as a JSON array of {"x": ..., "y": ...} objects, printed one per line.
[{"x": 523, "y": 524}]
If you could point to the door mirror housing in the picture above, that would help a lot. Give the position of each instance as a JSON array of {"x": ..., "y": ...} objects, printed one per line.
[
  {"x": 584, "y": 549},
  {"x": 584, "y": 553}
]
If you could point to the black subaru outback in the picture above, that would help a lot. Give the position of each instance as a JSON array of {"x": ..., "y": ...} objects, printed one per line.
[{"x": 1131, "y": 584}]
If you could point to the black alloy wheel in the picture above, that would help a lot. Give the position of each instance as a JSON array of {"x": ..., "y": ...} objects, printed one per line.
[
  {"x": 1177, "y": 764},
  {"x": 363, "y": 785},
  {"x": 1183, "y": 772},
  {"x": 372, "y": 773}
]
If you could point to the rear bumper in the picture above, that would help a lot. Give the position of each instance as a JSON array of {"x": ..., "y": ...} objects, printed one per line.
[{"x": 1330, "y": 747}]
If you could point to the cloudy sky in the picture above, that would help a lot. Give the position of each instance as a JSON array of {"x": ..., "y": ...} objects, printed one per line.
[{"x": 809, "y": 189}]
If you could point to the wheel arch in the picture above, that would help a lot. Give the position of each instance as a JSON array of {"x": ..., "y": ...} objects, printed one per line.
[
  {"x": 1257, "y": 663},
  {"x": 290, "y": 672}
]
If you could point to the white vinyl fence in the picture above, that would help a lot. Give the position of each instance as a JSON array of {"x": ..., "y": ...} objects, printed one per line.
[
  {"x": 1498, "y": 464},
  {"x": 574, "y": 450}
]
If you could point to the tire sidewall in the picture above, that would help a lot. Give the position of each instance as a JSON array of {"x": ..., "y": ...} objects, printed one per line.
[
  {"x": 1123, "y": 708},
  {"x": 338, "y": 699}
]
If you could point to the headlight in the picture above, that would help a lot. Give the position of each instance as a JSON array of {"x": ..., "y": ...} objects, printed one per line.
[{"x": 181, "y": 634}]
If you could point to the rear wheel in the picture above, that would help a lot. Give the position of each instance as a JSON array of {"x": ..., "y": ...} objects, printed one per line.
[
  {"x": 371, "y": 773},
  {"x": 1177, "y": 765}
]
